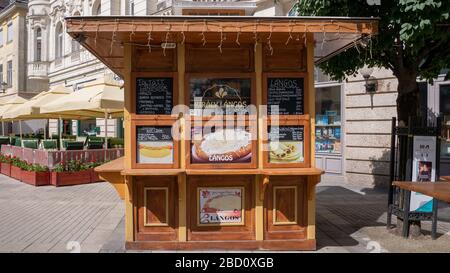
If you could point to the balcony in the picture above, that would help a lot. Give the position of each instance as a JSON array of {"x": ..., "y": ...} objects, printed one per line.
[{"x": 38, "y": 70}]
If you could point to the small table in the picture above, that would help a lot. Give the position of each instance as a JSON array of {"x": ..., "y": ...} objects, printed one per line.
[{"x": 438, "y": 190}]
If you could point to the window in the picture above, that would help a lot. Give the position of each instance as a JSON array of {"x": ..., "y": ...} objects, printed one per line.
[
  {"x": 75, "y": 46},
  {"x": 10, "y": 33},
  {"x": 97, "y": 8},
  {"x": 1, "y": 73},
  {"x": 1, "y": 36},
  {"x": 38, "y": 49},
  {"x": 131, "y": 7},
  {"x": 9, "y": 74},
  {"x": 59, "y": 41},
  {"x": 328, "y": 119}
]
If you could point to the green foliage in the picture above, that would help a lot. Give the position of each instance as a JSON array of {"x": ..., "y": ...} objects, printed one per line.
[
  {"x": 5, "y": 158},
  {"x": 34, "y": 168},
  {"x": 75, "y": 166},
  {"x": 413, "y": 39}
]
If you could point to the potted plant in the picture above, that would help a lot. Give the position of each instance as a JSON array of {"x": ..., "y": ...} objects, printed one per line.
[
  {"x": 94, "y": 175},
  {"x": 71, "y": 173},
  {"x": 5, "y": 164},
  {"x": 35, "y": 174},
  {"x": 16, "y": 167}
]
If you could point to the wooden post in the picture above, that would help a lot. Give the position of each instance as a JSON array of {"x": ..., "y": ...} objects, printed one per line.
[
  {"x": 182, "y": 225},
  {"x": 129, "y": 228},
  {"x": 311, "y": 231},
  {"x": 259, "y": 203}
]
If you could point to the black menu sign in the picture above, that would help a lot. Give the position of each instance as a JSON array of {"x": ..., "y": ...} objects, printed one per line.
[
  {"x": 286, "y": 133},
  {"x": 287, "y": 94},
  {"x": 154, "y": 144},
  {"x": 154, "y": 96}
]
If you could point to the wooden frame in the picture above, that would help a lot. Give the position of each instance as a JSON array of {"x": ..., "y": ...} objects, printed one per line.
[
  {"x": 242, "y": 223},
  {"x": 153, "y": 123},
  {"x": 162, "y": 224},
  {"x": 221, "y": 12},
  {"x": 133, "y": 95},
  {"x": 274, "y": 209},
  {"x": 248, "y": 165}
]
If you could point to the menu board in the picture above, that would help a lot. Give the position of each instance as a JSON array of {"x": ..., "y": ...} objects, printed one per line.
[
  {"x": 220, "y": 206},
  {"x": 221, "y": 95},
  {"x": 286, "y": 144},
  {"x": 154, "y": 96},
  {"x": 220, "y": 146},
  {"x": 154, "y": 144},
  {"x": 287, "y": 94}
]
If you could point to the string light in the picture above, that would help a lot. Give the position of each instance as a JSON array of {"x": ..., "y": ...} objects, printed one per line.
[
  {"x": 323, "y": 37},
  {"x": 269, "y": 38},
  {"x": 113, "y": 39},
  {"x": 255, "y": 34},
  {"x": 166, "y": 40},
  {"x": 237, "y": 36},
  {"x": 205, "y": 28},
  {"x": 290, "y": 33},
  {"x": 149, "y": 39},
  {"x": 96, "y": 34},
  {"x": 182, "y": 33},
  {"x": 133, "y": 28},
  {"x": 304, "y": 35},
  {"x": 221, "y": 39}
]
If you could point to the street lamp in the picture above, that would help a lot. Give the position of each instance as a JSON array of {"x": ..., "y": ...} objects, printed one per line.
[{"x": 371, "y": 82}]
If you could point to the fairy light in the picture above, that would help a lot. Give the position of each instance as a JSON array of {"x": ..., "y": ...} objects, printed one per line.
[
  {"x": 149, "y": 39},
  {"x": 221, "y": 39},
  {"x": 237, "y": 35},
  {"x": 205, "y": 28},
  {"x": 113, "y": 39},
  {"x": 323, "y": 37},
  {"x": 133, "y": 28},
  {"x": 304, "y": 35},
  {"x": 166, "y": 40},
  {"x": 96, "y": 34},
  {"x": 269, "y": 38},
  {"x": 290, "y": 34},
  {"x": 255, "y": 34},
  {"x": 182, "y": 33}
]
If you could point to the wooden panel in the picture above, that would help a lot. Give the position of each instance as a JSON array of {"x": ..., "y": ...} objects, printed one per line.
[
  {"x": 156, "y": 203},
  {"x": 156, "y": 210},
  {"x": 210, "y": 59},
  {"x": 284, "y": 58},
  {"x": 214, "y": 12},
  {"x": 154, "y": 60},
  {"x": 245, "y": 231},
  {"x": 285, "y": 211},
  {"x": 285, "y": 205}
]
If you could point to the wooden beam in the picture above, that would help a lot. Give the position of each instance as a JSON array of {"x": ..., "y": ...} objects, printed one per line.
[{"x": 259, "y": 203}]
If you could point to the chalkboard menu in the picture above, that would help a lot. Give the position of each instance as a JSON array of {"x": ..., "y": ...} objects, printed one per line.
[
  {"x": 154, "y": 144},
  {"x": 287, "y": 94},
  {"x": 286, "y": 144},
  {"x": 154, "y": 96}
]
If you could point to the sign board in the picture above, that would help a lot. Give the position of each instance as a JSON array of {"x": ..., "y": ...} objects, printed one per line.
[
  {"x": 154, "y": 144},
  {"x": 286, "y": 144},
  {"x": 424, "y": 170},
  {"x": 287, "y": 94},
  {"x": 154, "y": 96},
  {"x": 221, "y": 146},
  {"x": 221, "y": 206},
  {"x": 224, "y": 95}
]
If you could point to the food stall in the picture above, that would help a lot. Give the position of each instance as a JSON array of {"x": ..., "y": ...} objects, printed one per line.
[{"x": 219, "y": 125}]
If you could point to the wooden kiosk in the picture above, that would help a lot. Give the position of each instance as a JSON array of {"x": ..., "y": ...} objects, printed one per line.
[{"x": 219, "y": 171}]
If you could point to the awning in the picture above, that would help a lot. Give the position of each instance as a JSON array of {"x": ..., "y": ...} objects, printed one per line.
[
  {"x": 105, "y": 37},
  {"x": 10, "y": 106},
  {"x": 93, "y": 100}
]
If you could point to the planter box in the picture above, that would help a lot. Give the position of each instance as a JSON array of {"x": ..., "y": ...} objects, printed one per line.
[
  {"x": 36, "y": 178},
  {"x": 6, "y": 169},
  {"x": 70, "y": 178},
  {"x": 16, "y": 172},
  {"x": 94, "y": 176}
]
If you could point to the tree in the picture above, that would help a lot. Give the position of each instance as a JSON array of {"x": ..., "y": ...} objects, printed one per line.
[{"x": 413, "y": 41}]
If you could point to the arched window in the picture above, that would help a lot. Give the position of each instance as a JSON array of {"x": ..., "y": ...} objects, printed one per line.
[
  {"x": 97, "y": 8},
  {"x": 59, "y": 41},
  {"x": 38, "y": 44}
]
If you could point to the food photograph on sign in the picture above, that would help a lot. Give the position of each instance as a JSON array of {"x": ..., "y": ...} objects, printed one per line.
[
  {"x": 221, "y": 145},
  {"x": 222, "y": 94},
  {"x": 286, "y": 144},
  {"x": 154, "y": 145},
  {"x": 220, "y": 206}
]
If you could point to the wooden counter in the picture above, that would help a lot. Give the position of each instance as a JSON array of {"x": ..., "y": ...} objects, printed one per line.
[{"x": 438, "y": 190}]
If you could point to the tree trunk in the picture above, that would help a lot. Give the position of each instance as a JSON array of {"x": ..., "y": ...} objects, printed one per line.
[{"x": 408, "y": 97}]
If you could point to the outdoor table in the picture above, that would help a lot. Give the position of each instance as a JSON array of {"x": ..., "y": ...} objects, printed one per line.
[{"x": 438, "y": 190}]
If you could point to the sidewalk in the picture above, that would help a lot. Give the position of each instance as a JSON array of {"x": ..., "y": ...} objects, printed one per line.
[{"x": 89, "y": 218}]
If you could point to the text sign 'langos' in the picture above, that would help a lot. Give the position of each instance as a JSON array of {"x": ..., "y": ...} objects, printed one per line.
[
  {"x": 287, "y": 94},
  {"x": 154, "y": 96}
]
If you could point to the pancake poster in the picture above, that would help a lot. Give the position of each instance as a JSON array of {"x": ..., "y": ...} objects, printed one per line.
[
  {"x": 221, "y": 146},
  {"x": 287, "y": 94},
  {"x": 154, "y": 145},
  {"x": 224, "y": 95},
  {"x": 154, "y": 96},
  {"x": 220, "y": 206},
  {"x": 286, "y": 144}
]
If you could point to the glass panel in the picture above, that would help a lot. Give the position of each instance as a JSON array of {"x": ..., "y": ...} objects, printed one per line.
[
  {"x": 154, "y": 144},
  {"x": 444, "y": 108},
  {"x": 286, "y": 144},
  {"x": 328, "y": 119}
]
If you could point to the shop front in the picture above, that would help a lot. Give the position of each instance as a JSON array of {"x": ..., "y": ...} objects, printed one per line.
[{"x": 220, "y": 124}]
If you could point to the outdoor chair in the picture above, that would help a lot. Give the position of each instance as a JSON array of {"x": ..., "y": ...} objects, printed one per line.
[
  {"x": 49, "y": 144},
  {"x": 74, "y": 145},
  {"x": 18, "y": 142},
  {"x": 115, "y": 142},
  {"x": 30, "y": 143},
  {"x": 4, "y": 140},
  {"x": 91, "y": 145}
]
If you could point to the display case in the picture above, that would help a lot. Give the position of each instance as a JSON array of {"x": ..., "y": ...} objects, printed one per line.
[{"x": 328, "y": 120}]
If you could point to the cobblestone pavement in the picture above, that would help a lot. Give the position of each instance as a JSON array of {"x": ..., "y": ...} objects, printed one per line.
[{"x": 89, "y": 218}]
